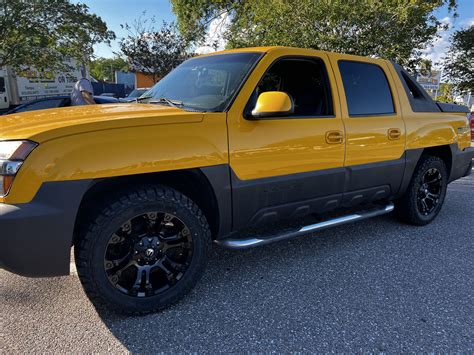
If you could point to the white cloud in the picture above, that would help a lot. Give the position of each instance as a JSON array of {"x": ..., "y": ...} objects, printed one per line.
[
  {"x": 204, "y": 50},
  {"x": 446, "y": 21},
  {"x": 467, "y": 22},
  {"x": 215, "y": 35},
  {"x": 440, "y": 46},
  {"x": 438, "y": 49}
]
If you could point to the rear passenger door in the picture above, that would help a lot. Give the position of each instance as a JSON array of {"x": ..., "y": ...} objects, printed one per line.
[{"x": 375, "y": 130}]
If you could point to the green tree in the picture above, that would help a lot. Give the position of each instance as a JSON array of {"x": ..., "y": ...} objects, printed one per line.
[
  {"x": 391, "y": 29},
  {"x": 103, "y": 69},
  {"x": 425, "y": 65},
  {"x": 45, "y": 33},
  {"x": 459, "y": 61},
  {"x": 154, "y": 52},
  {"x": 445, "y": 93}
]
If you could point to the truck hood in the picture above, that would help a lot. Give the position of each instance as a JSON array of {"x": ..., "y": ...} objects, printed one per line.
[{"x": 43, "y": 125}]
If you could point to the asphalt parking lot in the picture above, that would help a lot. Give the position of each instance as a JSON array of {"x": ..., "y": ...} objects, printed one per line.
[{"x": 377, "y": 286}]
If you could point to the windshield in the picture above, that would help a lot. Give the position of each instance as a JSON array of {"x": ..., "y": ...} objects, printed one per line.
[{"x": 205, "y": 83}]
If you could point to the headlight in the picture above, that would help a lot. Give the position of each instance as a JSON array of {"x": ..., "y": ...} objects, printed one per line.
[{"x": 12, "y": 155}]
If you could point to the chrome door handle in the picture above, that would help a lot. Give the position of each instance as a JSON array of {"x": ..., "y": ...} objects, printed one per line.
[
  {"x": 334, "y": 137},
  {"x": 394, "y": 133}
]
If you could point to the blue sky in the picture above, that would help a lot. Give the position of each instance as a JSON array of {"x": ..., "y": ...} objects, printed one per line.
[
  {"x": 465, "y": 18},
  {"x": 116, "y": 12}
]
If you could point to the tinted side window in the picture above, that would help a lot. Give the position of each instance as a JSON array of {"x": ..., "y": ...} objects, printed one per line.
[
  {"x": 367, "y": 89},
  {"x": 2, "y": 84},
  {"x": 40, "y": 105},
  {"x": 305, "y": 80}
]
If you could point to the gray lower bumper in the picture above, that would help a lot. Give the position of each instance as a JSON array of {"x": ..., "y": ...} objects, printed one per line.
[
  {"x": 36, "y": 238},
  {"x": 462, "y": 163}
]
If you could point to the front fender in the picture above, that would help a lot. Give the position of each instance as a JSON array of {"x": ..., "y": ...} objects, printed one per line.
[{"x": 121, "y": 152}]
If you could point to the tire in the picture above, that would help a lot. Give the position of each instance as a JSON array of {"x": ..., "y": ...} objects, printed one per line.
[
  {"x": 143, "y": 251},
  {"x": 411, "y": 208}
]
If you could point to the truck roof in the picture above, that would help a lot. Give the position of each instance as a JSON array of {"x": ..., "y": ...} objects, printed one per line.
[{"x": 272, "y": 49}]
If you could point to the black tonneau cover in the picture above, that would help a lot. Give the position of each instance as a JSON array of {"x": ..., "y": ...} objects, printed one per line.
[{"x": 452, "y": 107}]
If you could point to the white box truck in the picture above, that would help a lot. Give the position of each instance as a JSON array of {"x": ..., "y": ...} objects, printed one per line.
[{"x": 31, "y": 84}]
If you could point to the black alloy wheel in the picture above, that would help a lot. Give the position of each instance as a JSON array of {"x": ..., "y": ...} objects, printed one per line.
[
  {"x": 425, "y": 194},
  {"x": 148, "y": 254},
  {"x": 430, "y": 191},
  {"x": 143, "y": 250}
]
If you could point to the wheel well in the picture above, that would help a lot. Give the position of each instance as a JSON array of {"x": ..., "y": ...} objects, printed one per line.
[
  {"x": 443, "y": 152},
  {"x": 191, "y": 183}
]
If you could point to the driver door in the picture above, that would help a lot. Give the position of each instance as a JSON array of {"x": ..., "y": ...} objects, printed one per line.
[{"x": 287, "y": 167}]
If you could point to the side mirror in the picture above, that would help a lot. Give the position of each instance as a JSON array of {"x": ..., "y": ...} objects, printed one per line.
[{"x": 273, "y": 104}]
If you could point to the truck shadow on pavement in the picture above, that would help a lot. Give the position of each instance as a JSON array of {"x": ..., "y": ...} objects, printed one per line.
[{"x": 376, "y": 285}]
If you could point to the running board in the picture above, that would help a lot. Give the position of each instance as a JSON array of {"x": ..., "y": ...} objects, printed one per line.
[{"x": 251, "y": 242}]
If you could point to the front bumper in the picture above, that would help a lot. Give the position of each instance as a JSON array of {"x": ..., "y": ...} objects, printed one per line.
[
  {"x": 36, "y": 237},
  {"x": 462, "y": 163}
]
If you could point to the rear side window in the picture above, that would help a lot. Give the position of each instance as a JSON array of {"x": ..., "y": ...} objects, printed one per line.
[
  {"x": 2, "y": 84},
  {"x": 367, "y": 89}
]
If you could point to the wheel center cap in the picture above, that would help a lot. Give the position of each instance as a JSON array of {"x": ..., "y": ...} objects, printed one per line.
[{"x": 149, "y": 252}]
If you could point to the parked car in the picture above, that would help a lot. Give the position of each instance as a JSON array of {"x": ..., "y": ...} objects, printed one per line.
[
  {"x": 109, "y": 94},
  {"x": 55, "y": 102},
  {"x": 134, "y": 94},
  {"x": 242, "y": 148}
]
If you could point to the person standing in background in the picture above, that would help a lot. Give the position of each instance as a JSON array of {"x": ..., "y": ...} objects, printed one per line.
[{"x": 83, "y": 92}]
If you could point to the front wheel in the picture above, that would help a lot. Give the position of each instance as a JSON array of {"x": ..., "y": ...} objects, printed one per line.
[
  {"x": 144, "y": 251},
  {"x": 425, "y": 194}
]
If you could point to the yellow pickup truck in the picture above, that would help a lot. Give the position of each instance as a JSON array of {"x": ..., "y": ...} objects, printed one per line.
[{"x": 241, "y": 147}]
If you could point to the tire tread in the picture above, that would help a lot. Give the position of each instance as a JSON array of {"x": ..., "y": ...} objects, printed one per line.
[
  {"x": 120, "y": 203},
  {"x": 406, "y": 207}
]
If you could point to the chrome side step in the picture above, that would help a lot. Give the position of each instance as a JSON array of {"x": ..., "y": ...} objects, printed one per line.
[{"x": 245, "y": 243}]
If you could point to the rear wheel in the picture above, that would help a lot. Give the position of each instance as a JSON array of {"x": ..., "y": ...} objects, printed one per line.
[
  {"x": 144, "y": 251},
  {"x": 425, "y": 194}
]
